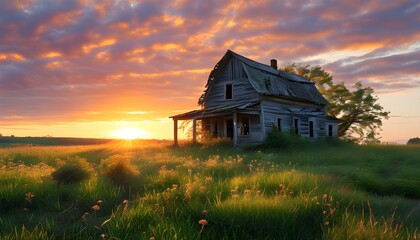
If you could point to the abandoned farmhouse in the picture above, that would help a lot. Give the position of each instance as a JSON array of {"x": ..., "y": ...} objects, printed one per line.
[{"x": 244, "y": 100}]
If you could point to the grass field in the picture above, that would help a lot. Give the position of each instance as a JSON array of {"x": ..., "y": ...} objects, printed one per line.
[{"x": 151, "y": 190}]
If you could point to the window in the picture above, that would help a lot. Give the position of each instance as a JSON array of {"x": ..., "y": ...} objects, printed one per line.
[
  {"x": 296, "y": 125},
  {"x": 311, "y": 129},
  {"x": 279, "y": 124},
  {"x": 228, "y": 91},
  {"x": 330, "y": 130},
  {"x": 244, "y": 126}
]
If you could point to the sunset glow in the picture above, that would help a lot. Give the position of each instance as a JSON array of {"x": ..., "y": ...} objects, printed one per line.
[
  {"x": 130, "y": 133},
  {"x": 74, "y": 68}
]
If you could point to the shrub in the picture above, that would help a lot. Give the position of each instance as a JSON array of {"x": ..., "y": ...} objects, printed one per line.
[
  {"x": 120, "y": 170},
  {"x": 74, "y": 170},
  {"x": 415, "y": 140},
  {"x": 284, "y": 140}
]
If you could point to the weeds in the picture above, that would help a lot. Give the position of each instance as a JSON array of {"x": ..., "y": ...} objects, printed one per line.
[
  {"x": 73, "y": 170},
  {"x": 120, "y": 170},
  {"x": 209, "y": 192}
]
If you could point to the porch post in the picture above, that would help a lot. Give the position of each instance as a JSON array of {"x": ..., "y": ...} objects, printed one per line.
[
  {"x": 235, "y": 129},
  {"x": 175, "y": 132},
  {"x": 194, "y": 131}
]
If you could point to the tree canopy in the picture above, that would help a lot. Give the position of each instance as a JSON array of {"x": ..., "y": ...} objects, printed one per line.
[
  {"x": 359, "y": 112},
  {"x": 415, "y": 140}
]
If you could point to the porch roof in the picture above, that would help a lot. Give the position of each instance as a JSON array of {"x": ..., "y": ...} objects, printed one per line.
[{"x": 248, "y": 108}]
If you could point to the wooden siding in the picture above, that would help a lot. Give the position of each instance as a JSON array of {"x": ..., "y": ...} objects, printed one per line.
[
  {"x": 254, "y": 131},
  {"x": 243, "y": 92},
  {"x": 304, "y": 113}
]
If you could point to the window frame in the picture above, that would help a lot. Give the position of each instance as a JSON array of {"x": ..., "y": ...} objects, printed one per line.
[
  {"x": 311, "y": 128},
  {"x": 226, "y": 91},
  {"x": 279, "y": 124},
  {"x": 296, "y": 125},
  {"x": 242, "y": 128},
  {"x": 330, "y": 130}
]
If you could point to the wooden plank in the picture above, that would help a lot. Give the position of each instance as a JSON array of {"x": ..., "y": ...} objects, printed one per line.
[
  {"x": 243, "y": 92},
  {"x": 175, "y": 132},
  {"x": 194, "y": 130}
]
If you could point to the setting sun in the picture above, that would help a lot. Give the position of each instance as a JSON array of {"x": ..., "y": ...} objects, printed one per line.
[{"x": 130, "y": 133}]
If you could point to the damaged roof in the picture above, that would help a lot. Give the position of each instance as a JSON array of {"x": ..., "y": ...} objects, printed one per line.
[
  {"x": 221, "y": 109},
  {"x": 269, "y": 81}
]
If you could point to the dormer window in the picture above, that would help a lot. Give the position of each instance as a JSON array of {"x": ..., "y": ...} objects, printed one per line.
[{"x": 228, "y": 91}]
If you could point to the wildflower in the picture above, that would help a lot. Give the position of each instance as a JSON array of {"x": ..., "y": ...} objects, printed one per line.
[
  {"x": 208, "y": 179},
  {"x": 174, "y": 186},
  {"x": 235, "y": 196},
  {"x": 324, "y": 196},
  {"x": 99, "y": 201},
  {"x": 152, "y": 238},
  {"x": 85, "y": 215},
  {"x": 281, "y": 186},
  {"x": 327, "y": 223},
  {"x": 203, "y": 222},
  {"x": 204, "y": 211},
  {"x": 125, "y": 201},
  {"x": 247, "y": 191},
  {"x": 102, "y": 235},
  {"x": 29, "y": 196},
  {"x": 96, "y": 208},
  {"x": 324, "y": 212},
  {"x": 232, "y": 191}
]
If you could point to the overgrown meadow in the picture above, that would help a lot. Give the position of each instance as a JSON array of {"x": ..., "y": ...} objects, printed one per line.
[{"x": 152, "y": 190}]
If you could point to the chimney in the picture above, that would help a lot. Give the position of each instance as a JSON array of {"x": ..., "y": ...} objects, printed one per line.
[{"x": 274, "y": 63}]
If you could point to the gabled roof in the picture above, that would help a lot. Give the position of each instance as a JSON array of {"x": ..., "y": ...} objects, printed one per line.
[{"x": 269, "y": 81}]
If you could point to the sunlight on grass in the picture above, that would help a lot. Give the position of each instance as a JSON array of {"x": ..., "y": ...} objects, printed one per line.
[{"x": 148, "y": 189}]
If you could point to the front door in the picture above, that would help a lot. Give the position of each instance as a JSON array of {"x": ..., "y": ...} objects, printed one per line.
[{"x": 229, "y": 128}]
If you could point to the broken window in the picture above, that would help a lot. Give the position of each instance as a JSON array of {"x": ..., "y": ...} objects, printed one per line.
[
  {"x": 330, "y": 130},
  {"x": 296, "y": 125},
  {"x": 244, "y": 126},
  {"x": 311, "y": 129},
  {"x": 279, "y": 124},
  {"x": 228, "y": 91}
]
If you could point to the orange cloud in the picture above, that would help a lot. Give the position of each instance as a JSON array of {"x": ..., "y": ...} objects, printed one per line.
[
  {"x": 168, "y": 47},
  {"x": 51, "y": 55},
  {"x": 12, "y": 57},
  {"x": 106, "y": 42}
]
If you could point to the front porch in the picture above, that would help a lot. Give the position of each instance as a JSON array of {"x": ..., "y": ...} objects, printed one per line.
[{"x": 241, "y": 124}]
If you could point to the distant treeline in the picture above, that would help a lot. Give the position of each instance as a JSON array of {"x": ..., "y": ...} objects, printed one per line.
[{"x": 49, "y": 141}]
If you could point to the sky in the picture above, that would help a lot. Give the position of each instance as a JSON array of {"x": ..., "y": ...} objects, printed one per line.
[{"x": 80, "y": 68}]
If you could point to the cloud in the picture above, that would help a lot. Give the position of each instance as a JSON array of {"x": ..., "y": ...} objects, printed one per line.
[{"x": 61, "y": 59}]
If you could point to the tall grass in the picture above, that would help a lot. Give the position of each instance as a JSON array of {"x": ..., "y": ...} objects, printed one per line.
[{"x": 143, "y": 190}]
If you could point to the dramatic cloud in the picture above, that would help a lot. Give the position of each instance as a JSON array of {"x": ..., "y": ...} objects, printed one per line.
[{"x": 61, "y": 61}]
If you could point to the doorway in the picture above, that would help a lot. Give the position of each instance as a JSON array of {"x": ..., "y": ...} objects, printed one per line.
[{"x": 229, "y": 128}]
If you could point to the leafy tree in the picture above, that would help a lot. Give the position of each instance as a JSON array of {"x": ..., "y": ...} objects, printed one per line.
[
  {"x": 359, "y": 112},
  {"x": 415, "y": 140}
]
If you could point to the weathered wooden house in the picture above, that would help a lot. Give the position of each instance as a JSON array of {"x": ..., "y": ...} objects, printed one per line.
[{"x": 244, "y": 100}]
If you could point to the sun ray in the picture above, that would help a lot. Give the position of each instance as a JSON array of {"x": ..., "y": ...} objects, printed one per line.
[{"x": 130, "y": 133}]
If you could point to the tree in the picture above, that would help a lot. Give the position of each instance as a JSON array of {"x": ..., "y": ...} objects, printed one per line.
[
  {"x": 359, "y": 112},
  {"x": 415, "y": 140}
]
